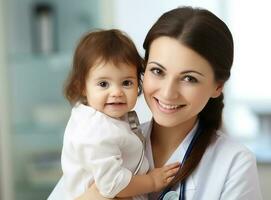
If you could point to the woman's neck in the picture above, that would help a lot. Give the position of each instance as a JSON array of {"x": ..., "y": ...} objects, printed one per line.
[{"x": 165, "y": 140}]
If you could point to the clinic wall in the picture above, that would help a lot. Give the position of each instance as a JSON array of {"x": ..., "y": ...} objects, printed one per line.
[
  {"x": 265, "y": 179},
  {"x": 5, "y": 162}
]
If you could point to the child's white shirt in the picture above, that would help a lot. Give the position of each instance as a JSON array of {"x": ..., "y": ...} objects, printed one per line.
[{"x": 97, "y": 147}]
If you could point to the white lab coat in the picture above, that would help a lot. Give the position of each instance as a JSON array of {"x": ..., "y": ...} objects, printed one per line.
[
  {"x": 227, "y": 170},
  {"x": 97, "y": 147}
]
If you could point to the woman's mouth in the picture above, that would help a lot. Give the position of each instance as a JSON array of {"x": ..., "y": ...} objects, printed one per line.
[{"x": 168, "y": 108}]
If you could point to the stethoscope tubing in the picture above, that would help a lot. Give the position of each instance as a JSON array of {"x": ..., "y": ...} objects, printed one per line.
[{"x": 186, "y": 156}]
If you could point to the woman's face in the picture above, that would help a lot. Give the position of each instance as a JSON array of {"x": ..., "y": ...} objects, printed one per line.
[{"x": 178, "y": 82}]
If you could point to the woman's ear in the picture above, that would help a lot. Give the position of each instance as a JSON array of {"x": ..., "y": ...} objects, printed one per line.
[{"x": 218, "y": 90}]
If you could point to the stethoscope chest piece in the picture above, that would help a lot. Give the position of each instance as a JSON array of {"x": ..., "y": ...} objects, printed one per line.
[{"x": 171, "y": 195}]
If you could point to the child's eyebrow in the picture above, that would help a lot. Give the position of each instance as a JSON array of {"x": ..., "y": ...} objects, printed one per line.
[
  {"x": 108, "y": 78},
  {"x": 102, "y": 77}
]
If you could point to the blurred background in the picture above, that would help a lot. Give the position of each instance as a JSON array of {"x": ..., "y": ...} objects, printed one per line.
[{"x": 37, "y": 40}]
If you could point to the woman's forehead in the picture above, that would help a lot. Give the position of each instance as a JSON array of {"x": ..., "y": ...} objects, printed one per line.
[{"x": 170, "y": 53}]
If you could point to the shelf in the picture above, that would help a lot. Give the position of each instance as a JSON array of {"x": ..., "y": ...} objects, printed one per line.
[{"x": 55, "y": 61}]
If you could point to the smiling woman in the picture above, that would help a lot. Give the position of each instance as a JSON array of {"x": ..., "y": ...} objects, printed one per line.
[{"x": 181, "y": 87}]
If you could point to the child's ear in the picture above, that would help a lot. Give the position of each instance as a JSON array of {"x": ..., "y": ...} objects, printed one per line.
[
  {"x": 218, "y": 90},
  {"x": 84, "y": 97},
  {"x": 84, "y": 94}
]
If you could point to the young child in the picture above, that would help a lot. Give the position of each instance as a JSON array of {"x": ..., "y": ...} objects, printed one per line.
[{"x": 99, "y": 146}]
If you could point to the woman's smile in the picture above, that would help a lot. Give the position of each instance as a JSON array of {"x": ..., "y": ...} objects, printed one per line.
[{"x": 168, "y": 108}]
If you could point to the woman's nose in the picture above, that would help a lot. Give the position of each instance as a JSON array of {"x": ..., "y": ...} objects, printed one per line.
[{"x": 169, "y": 89}]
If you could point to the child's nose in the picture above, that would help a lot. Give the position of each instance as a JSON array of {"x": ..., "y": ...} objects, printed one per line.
[{"x": 117, "y": 92}]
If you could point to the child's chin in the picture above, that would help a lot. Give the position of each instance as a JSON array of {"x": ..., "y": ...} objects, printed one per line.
[{"x": 115, "y": 115}]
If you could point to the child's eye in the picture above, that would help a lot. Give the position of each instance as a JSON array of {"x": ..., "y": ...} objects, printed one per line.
[
  {"x": 103, "y": 84},
  {"x": 156, "y": 71},
  {"x": 127, "y": 83},
  {"x": 190, "y": 79}
]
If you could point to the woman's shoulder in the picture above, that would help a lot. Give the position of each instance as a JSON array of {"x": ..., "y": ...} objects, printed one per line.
[
  {"x": 236, "y": 166},
  {"x": 229, "y": 148},
  {"x": 224, "y": 140},
  {"x": 228, "y": 157}
]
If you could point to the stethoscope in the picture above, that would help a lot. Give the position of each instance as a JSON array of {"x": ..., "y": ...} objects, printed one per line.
[{"x": 169, "y": 194}]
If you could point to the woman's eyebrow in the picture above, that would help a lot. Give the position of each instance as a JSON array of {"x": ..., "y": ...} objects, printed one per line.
[
  {"x": 191, "y": 71},
  {"x": 156, "y": 63},
  {"x": 183, "y": 72}
]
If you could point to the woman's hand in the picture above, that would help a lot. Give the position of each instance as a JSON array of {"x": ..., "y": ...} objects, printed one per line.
[{"x": 93, "y": 194}]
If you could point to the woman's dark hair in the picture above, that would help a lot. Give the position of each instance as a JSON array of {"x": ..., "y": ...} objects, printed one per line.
[
  {"x": 203, "y": 32},
  {"x": 97, "y": 47}
]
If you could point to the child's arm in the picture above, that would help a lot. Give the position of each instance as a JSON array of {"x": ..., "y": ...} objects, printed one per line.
[
  {"x": 155, "y": 180},
  {"x": 92, "y": 193}
]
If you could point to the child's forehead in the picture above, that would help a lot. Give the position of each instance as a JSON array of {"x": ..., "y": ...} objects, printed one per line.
[
  {"x": 111, "y": 70},
  {"x": 101, "y": 63}
]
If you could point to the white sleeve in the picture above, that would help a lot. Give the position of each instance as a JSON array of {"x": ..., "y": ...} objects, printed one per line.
[
  {"x": 101, "y": 155},
  {"x": 242, "y": 182}
]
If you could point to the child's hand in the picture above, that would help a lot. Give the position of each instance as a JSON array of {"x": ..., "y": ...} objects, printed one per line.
[{"x": 162, "y": 176}]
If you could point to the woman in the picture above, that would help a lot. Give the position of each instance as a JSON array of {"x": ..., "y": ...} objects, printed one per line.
[{"x": 189, "y": 54}]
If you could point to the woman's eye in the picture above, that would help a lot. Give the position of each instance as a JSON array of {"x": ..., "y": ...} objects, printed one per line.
[
  {"x": 127, "y": 83},
  {"x": 156, "y": 71},
  {"x": 190, "y": 79},
  {"x": 103, "y": 84}
]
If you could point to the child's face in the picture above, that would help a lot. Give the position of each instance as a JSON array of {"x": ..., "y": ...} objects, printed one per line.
[{"x": 112, "y": 89}]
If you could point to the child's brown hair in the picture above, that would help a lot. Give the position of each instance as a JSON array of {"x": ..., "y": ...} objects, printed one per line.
[{"x": 94, "y": 48}]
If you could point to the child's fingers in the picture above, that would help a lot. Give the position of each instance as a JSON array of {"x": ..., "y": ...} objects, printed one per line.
[
  {"x": 170, "y": 179},
  {"x": 172, "y": 172},
  {"x": 172, "y": 166}
]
